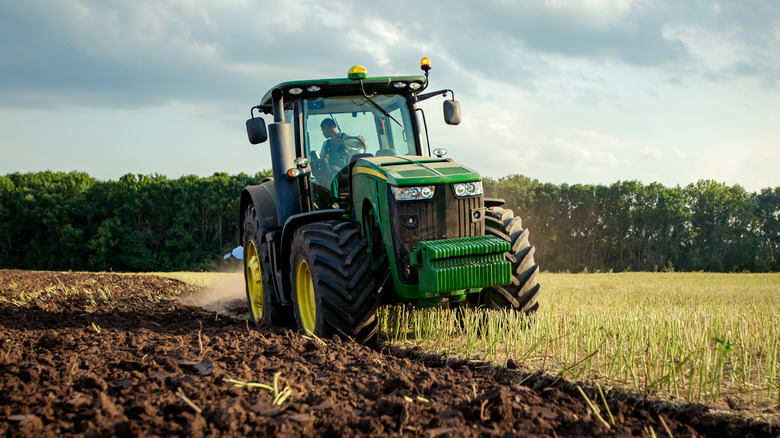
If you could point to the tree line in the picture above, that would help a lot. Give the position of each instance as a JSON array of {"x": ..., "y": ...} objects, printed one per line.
[
  {"x": 628, "y": 225},
  {"x": 71, "y": 221}
]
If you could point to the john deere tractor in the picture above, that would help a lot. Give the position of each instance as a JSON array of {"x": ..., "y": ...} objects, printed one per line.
[{"x": 359, "y": 212}]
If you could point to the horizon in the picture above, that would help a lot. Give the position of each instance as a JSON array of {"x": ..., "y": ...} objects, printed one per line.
[{"x": 495, "y": 179}]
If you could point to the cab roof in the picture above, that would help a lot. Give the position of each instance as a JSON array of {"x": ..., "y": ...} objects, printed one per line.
[{"x": 315, "y": 88}]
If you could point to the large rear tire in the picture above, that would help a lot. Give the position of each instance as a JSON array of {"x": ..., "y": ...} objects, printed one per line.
[
  {"x": 332, "y": 287},
  {"x": 522, "y": 293},
  {"x": 263, "y": 305}
]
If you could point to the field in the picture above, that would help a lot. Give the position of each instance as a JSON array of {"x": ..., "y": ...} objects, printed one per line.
[
  {"x": 683, "y": 337},
  {"x": 111, "y": 354}
]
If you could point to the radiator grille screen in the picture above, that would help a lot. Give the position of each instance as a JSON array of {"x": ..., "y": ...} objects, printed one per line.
[{"x": 445, "y": 216}]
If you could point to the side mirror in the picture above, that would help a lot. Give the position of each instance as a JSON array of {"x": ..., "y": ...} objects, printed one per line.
[
  {"x": 255, "y": 129},
  {"x": 451, "y": 112}
]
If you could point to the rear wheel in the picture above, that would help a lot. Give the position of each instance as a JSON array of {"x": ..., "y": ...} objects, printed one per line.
[
  {"x": 262, "y": 303},
  {"x": 332, "y": 287},
  {"x": 522, "y": 293}
]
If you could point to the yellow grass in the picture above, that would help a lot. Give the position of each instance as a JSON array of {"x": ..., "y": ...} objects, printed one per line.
[{"x": 694, "y": 336}]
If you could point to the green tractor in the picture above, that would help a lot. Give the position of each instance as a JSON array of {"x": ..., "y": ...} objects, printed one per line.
[{"x": 358, "y": 215}]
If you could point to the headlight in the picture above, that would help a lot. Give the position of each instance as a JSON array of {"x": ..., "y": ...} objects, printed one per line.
[
  {"x": 412, "y": 193},
  {"x": 468, "y": 188}
]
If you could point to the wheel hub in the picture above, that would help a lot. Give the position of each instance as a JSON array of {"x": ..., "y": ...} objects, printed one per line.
[
  {"x": 254, "y": 281},
  {"x": 305, "y": 294}
]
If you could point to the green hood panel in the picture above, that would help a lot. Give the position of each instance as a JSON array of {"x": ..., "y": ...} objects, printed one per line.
[{"x": 409, "y": 170}]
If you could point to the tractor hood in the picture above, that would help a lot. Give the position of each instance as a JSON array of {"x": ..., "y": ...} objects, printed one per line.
[{"x": 410, "y": 170}]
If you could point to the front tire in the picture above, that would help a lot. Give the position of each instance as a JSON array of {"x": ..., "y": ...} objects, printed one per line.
[
  {"x": 523, "y": 292},
  {"x": 332, "y": 287}
]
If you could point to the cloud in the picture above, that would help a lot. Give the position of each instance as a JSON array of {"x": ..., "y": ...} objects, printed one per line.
[
  {"x": 564, "y": 90},
  {"x": 141, "y": 53},
  {"x": 733, "y": 40},
  {"x": 651, "y": 153},
  {"x": 128, "y": 54},
  {"x": 586, "y": 150}
]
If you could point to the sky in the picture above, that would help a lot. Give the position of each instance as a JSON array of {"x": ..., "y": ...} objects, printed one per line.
[{"x": 562, "y": 91}]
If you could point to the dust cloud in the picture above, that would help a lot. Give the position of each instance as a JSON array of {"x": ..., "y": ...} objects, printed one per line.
[{"x": 227, "y": 296}]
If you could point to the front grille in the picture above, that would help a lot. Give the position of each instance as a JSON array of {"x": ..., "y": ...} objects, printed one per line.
[{"x": 445, "y": 216}]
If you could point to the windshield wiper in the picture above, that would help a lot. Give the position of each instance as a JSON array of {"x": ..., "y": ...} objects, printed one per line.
[{"x": 376, "y": 105}]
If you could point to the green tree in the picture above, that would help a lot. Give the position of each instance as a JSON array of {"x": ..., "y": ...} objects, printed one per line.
[
  {"x": 56, "y": 220},
  {"x": 768, "y": 212},
  {"x": 723, "y": 226}
]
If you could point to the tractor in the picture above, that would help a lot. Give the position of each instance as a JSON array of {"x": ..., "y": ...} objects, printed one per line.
[{"x": 360, "y": 213}]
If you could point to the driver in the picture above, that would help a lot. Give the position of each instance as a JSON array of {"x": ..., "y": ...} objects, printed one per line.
[{"x": 338, "y": 146}]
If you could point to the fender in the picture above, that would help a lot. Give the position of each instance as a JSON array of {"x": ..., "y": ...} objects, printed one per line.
[
  {"x": 494, "y": 202},
  {"x": 285, "y": 243},
  {"x": 263, "y": 198}
]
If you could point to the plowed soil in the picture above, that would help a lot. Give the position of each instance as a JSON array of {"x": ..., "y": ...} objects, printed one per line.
[{"x": 109, "y": 354}]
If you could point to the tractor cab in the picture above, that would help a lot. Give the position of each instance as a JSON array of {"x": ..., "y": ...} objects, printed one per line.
[{"x": 337, "y": 121}]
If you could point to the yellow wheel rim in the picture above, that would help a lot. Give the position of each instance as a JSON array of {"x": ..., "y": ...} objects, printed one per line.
[
  {"x": 254, "y": 281},
  {"x": 305, "y": 292}
]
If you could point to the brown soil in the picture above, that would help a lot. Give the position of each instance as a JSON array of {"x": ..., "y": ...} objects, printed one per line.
[{"x": 109, "y": 354}]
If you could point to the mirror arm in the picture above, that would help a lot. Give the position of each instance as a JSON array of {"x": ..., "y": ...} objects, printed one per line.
[
  {"x": 421, "y": 97},
  {"x": 266, "y": 109}
]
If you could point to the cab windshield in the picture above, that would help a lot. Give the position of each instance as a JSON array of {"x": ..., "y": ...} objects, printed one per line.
[{"x": 338, "y": 128}]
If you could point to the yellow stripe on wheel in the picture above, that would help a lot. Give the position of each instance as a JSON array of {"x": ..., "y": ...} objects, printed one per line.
[
  {"x": 254, "y": 281},
  {"x": 305, "y": 290}
]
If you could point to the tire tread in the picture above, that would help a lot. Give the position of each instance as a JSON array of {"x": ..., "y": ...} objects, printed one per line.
[
  {"x": 341, "y": 275},
  {"x": 522, "y": 292}
]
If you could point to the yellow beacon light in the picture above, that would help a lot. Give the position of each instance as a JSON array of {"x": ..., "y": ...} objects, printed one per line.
[
  {"x": 356, "y": 72},
  {"x": 425, "y": 64}
]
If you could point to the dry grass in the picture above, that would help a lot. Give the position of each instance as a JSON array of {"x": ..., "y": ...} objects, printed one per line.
[{"x": 688, "y": 336}]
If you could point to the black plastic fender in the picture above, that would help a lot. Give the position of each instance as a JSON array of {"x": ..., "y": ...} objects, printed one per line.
[
  {"x": 494, "y": 202},
  {"x": 263, "y": 198}
]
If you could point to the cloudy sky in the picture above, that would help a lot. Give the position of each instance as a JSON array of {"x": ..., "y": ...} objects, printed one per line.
[{"x": 588, "y": 91}]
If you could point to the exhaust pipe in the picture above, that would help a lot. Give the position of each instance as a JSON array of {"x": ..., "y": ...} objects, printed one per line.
[{"x": 283, "y": 158}]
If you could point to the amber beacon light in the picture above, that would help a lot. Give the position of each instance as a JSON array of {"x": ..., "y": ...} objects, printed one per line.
[{"x": 425, "y": 64}]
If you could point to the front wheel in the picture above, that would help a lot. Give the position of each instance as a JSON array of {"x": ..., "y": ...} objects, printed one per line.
[
  {"x": 522, "y": 293},
  {"x": 263, "y": 305},
  {"x": 332, "y": 287}
]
